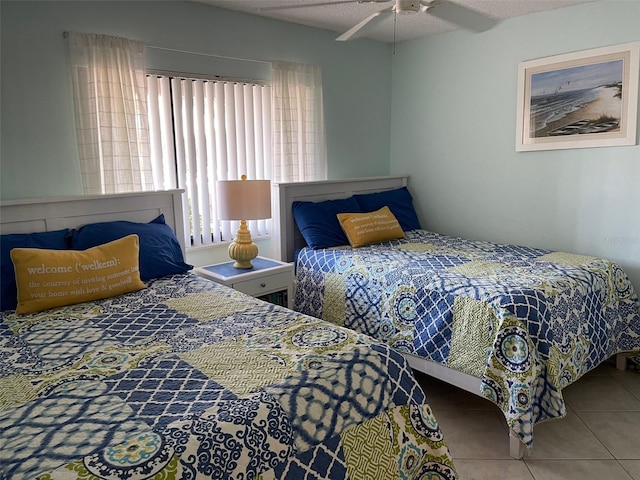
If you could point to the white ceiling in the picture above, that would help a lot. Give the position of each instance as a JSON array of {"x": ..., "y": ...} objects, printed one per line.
[{"x": 342, "y": 16}]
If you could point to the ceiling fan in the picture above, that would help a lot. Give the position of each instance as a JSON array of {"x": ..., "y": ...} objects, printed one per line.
[{"x": 444, "y": 9}]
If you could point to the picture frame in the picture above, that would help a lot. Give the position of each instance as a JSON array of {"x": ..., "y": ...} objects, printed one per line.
[{"x": 579, "y": 100}]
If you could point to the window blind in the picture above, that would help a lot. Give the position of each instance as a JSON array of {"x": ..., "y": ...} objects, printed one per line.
[{"x": 210, "y": 130}]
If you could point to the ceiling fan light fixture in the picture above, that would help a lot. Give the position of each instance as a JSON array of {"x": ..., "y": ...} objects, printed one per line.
[
  {"x": 447, "y": 10},
  {"x": 407, "y": 7}
]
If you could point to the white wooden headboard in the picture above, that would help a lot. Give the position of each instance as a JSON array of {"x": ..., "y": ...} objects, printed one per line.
[
  {"x": 287, "y": 238},
  {"x": 47, "y": 214}
]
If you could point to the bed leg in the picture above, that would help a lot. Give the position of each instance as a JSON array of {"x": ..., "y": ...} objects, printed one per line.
[
  {"x": 516, "y": 447},
  {"x": 621, "y": 361}
]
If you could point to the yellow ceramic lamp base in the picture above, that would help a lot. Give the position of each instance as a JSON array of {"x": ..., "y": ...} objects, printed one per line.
[{"x": 242, "y": 249}]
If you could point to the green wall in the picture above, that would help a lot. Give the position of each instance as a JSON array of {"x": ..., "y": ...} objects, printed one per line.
[
  {"x": 453, "y": 129},
  {"x": 38, "y": 155}
]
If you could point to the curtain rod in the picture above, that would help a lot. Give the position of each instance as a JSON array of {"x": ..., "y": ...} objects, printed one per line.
[
  {"x": 209, "y": 55},
  {"x": 65, "y": 34}
]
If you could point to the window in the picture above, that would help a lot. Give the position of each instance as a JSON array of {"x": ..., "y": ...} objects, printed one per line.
[
  {"x": 207, "y": 130},
  {"x": 167, "y": 131}
]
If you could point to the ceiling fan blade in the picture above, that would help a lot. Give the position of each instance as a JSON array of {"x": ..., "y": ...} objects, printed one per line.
[
  {"x": 377, "y": 16},
  {"x": 315, "y": 4},
  {"x": 459, "y": 15}
]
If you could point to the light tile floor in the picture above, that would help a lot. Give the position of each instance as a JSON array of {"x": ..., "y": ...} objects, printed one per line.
[{"x": 598, "y": 439}]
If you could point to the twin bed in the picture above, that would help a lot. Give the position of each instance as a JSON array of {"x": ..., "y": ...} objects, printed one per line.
[
  {"x": 510, "y": 323},
  {"x": 181, "y": 377}
]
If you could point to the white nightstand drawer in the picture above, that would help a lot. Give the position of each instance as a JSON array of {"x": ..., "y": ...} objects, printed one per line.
[
  {"x": 264, "y": 285},
  {"x": 269, "y": 280}
]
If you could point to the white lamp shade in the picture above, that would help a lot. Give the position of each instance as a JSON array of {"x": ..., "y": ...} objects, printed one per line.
[{"x": 244, "y": 199}]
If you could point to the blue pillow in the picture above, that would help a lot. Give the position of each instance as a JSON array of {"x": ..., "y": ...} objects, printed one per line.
[
  {"x": 318, "y": 221},
  {"x": 160, "y": 252},
  {"x": 399, "y": 201},
  {"x": 55, "y": 240}
]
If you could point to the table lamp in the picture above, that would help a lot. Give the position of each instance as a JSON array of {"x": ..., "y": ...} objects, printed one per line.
[{"x": 243, "y": 200}]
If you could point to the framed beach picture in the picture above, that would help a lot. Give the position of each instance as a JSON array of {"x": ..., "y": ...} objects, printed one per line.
[{"x": 579, "y": 100}]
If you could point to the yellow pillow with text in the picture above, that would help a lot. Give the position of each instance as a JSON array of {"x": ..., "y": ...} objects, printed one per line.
[
  {"x": 54, "y": 278},
  {"x": 366, "y": 228}
]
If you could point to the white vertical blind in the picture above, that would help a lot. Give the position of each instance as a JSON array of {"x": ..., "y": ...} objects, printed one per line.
[
  {"x": 154, "y": 126},
  {"x": 212, "y": 160},
  {"x": 168, "y": 168},
  {"x": 221, "y": 144},
  {"x": 221, "y": 132}
]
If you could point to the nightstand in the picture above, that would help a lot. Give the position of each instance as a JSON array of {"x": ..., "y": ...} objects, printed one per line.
[{"x": 269, "y": 280}]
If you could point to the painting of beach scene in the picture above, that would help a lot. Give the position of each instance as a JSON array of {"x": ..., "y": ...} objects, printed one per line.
[{"x": 577, "y": 100}]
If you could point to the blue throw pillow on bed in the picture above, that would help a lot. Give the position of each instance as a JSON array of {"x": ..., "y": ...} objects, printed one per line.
[
  {"x": 399, "y": 201},
  {"x": 318, "y": 222},
  {"x": 160, "y": 252},
  {"x": 55, "y": 240}
]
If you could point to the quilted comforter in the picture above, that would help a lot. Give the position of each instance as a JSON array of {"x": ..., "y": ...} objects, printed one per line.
[
  {"x": 526, "y": 321},
  {"x": 189, "y": 379}
]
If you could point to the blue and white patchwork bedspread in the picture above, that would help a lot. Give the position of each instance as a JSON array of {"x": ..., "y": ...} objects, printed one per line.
[
  {"x": 189, "y": 379},
  {"x": 526, "y": 321}
]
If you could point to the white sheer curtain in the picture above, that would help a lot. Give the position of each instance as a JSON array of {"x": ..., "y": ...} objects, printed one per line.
[
  {"x": 110, "y": 98},
  {"x": 219, "y": 131},
  {"x": 299, "y": 145}
]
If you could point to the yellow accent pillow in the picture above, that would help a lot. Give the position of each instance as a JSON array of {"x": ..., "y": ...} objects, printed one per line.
[
  {"x": 366, "y": 228},
  {"x": 54, "y": 278}
]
